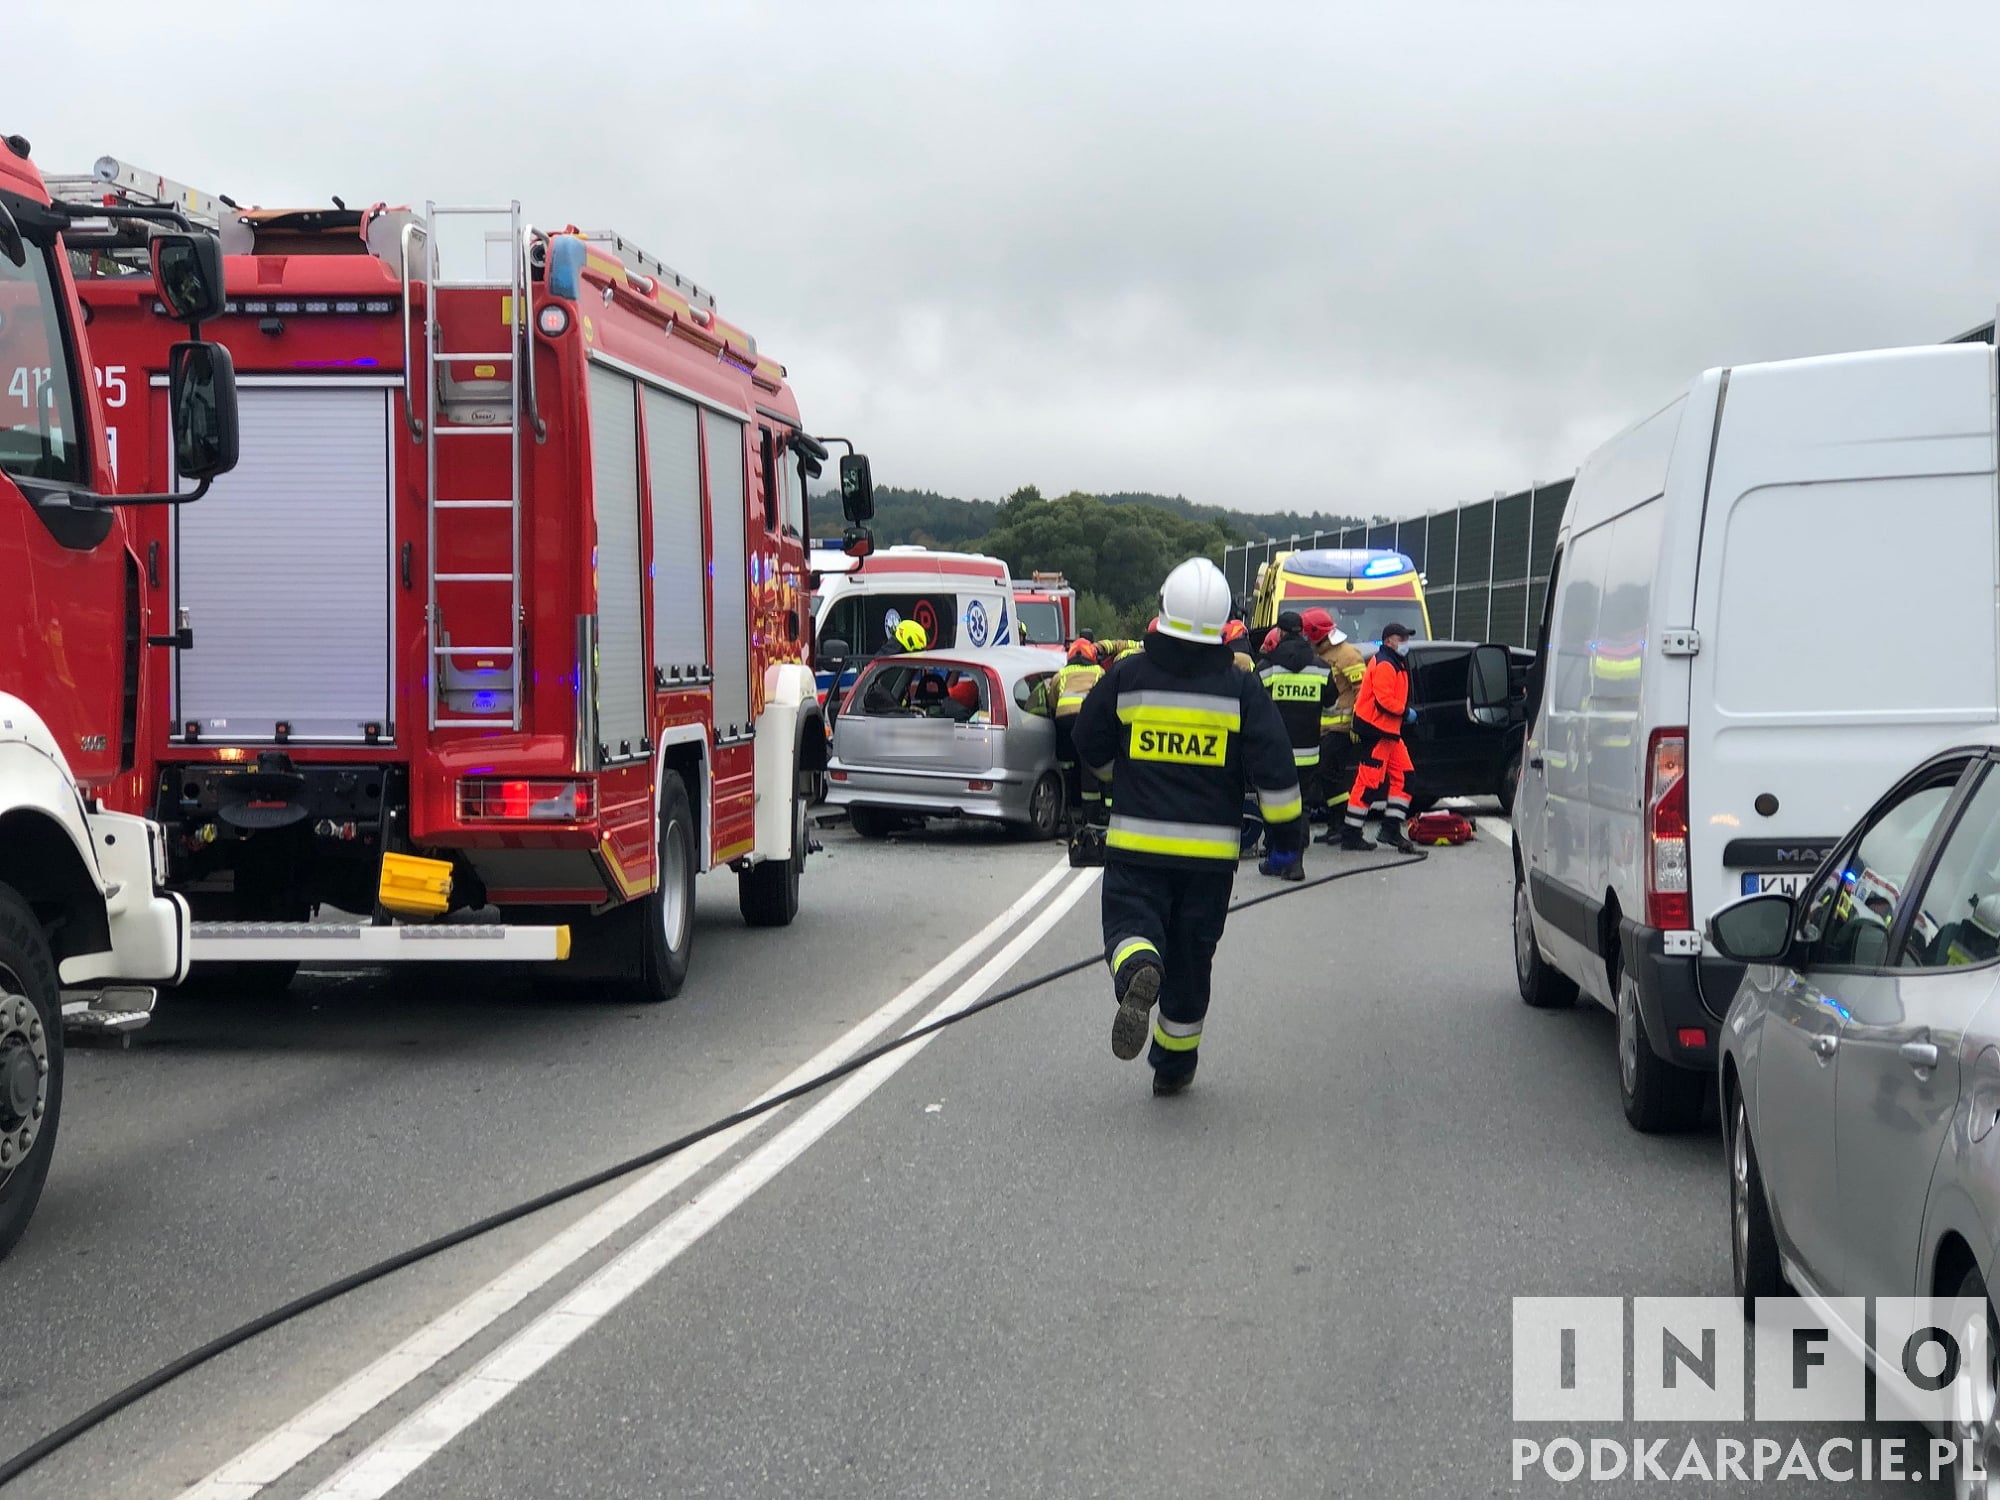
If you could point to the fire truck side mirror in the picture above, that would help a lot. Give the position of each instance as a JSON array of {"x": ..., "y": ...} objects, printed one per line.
[
  {"x": 833, "y": 655},
  {"x": 187, "y": 275},
  {"x": 11, "y": 244},
  {"x": 858, "y": 541},
  {"x": 857, "y": 489},
  {"x": 201, "y": 396}
]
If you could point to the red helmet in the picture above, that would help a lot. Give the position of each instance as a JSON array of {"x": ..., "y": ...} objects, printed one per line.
[
  {"x": 1082, "y": 650},
  {"x": 966, "y": 692},
  {"x": 1316, "y": 624},
  {"x": 1233, "y": 632},
  {"x": 1271, "y": 641}
]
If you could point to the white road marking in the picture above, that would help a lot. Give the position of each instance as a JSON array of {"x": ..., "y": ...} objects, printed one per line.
[
  {"x": 413, "y": 1441},
  {"x": 282, "y": 1449}
]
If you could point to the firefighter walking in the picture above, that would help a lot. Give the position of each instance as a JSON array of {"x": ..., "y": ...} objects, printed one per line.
[
  {"x": 1381, "y": 709},
  {"x": 1301, "y": 687},
  {"x": 1183, "y": 730},
  {"x": 1081, "y": 794}
]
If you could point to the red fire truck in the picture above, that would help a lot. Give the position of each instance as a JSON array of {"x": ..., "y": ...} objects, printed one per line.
[
  {"x": 503, "y": 609},
  {"x": 86, "y": 931}
]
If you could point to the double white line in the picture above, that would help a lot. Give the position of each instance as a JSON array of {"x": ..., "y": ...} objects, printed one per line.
[{"x": 398, "y": 1454}]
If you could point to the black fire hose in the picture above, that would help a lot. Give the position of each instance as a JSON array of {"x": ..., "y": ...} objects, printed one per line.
[{"x": 139, "y": 1389}]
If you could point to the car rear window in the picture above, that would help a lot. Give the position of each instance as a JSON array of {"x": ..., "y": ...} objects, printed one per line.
[{"x": 924, "y": 690}]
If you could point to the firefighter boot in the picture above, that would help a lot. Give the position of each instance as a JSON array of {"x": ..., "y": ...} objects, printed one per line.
[
  {"x": 1286, "y": 864},
  {"x": 1394, "y": 836},
  {"x": 1166, "y": 1085},
  {"x": 1138, "y": 986},
  {"x": 1354, "y": 839}
]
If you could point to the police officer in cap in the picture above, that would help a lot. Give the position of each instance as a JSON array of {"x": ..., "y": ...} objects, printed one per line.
[{"x": 1184, "y": 730}]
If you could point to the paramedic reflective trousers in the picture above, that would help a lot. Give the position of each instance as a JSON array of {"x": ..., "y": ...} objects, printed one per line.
[
  {"x": 1175, "y": 917},
  {"x": 1386, "y": 760}
]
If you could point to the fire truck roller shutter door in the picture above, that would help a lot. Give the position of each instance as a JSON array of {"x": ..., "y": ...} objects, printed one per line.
[
  {"x": 622, "y": 689},
  {"x": 680, "y": 584},
  {"x": 284, "y": 570},
  {"x": 724, "y": 442}
]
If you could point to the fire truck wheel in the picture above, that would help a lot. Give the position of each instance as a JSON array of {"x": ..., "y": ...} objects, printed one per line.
[
  {"x": 768, "y": 894},
  {"x": 31, "y": 1063},
  {"x": 668, "y": 940}
]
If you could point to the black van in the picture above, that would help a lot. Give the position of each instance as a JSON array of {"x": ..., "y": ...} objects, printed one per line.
[{"x": 1457, "y": 754}]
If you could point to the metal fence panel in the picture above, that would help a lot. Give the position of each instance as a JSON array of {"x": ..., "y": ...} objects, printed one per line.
[
  {"x": 1510, "y": 537},
  {"x": 1475, "y": 543},
  {"x": 1382, "y": 535},
  {"x": 1442, "y": 565},
  {"x": 1508, "y": 623},
  {"x": 1550, "y": 501},
  {"x": 1410, "y": 539}
]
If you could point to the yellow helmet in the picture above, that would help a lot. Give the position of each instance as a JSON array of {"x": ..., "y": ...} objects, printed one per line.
[{"x": 910, "y": 636}]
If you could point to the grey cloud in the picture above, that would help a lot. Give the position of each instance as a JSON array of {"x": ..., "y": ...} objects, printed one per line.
[{"x": 1292, "y": 256}]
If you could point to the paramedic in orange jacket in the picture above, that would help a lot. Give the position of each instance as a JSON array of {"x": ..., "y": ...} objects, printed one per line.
[{"x": 1380, "y": 712}]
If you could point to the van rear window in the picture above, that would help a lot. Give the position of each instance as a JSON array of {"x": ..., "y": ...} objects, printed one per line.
[{"x": 866, "y": 621}]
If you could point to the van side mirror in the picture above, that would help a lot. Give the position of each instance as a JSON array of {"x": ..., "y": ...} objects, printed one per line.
[
  {"x": 1754, "y": 930},
  {"x": 201, "y": 402},
  {"x": 857, "y": 491},
  {"x": 187, "y": 275},
  {"x": 1488, "y": 693}
]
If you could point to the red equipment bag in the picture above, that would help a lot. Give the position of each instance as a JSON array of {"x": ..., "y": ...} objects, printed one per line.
[{"x": 1439, "y": 827}]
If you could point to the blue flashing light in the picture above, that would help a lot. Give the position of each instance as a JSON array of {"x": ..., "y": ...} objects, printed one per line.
[
  {"x": 567, "y": 255},
  {"x": 335, "y": 364},
  {"x": 485, "y": 702},
  {"x": 1380, "y": 566}
]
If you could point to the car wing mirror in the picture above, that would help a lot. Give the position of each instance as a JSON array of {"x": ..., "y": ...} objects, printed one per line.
[
  {"x": 1489, "y": 696},
  {"x": 1755, "y": 930}
]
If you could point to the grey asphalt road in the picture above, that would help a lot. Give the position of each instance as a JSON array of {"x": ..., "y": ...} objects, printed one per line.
[{"x": 1009, "y": 1271}]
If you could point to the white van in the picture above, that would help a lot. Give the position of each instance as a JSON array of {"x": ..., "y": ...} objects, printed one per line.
[
  {"x": 1768, "y": 600},
  {"x": 964, "y": 601}
]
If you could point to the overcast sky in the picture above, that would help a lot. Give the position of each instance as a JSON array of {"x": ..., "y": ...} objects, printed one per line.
[{"x": 1380, "y": 258}]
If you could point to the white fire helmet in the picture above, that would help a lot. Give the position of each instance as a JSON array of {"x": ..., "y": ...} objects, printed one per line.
[{"x": 1194, "y": 602}]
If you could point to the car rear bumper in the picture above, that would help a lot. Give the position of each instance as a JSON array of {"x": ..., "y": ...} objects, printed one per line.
[
  {"x": 935, "y": 794},
  {"x": 1675, "y": 994}
]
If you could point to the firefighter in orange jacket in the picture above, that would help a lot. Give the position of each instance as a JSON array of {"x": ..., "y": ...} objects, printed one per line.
[{"x": 1380, "y": 711}]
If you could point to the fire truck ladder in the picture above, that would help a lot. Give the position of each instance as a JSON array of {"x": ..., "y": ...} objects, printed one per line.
[{"x": 465, "y": 412}]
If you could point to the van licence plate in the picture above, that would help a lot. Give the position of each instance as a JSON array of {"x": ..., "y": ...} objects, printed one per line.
[{"x": 1789, "y": 883}]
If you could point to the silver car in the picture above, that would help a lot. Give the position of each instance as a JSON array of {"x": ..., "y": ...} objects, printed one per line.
[
  {"x": 949, "y": 735},
  {"x": 1861, "y": 1060}
]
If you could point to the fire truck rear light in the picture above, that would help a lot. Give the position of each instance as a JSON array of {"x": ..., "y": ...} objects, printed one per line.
[
  {"x": 497, "y": 799},
  {"x": 553, "y": 320}
]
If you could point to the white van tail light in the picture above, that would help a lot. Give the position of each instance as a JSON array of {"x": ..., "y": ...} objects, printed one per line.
[{"x": 1669, "y": 904}]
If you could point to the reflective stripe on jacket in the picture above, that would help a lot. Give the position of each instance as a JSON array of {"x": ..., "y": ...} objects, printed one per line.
[
  {"x": 1385, "y": 693},
  {"x": 1301, "y": 686},
  {"x": 1184, "y": 734},
  {"x": 1347, "y": 665},
  {"x": 1073, "y": 684}
]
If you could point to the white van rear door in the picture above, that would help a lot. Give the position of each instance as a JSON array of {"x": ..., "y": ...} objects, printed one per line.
[{"x": 1845, "y": 601}]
